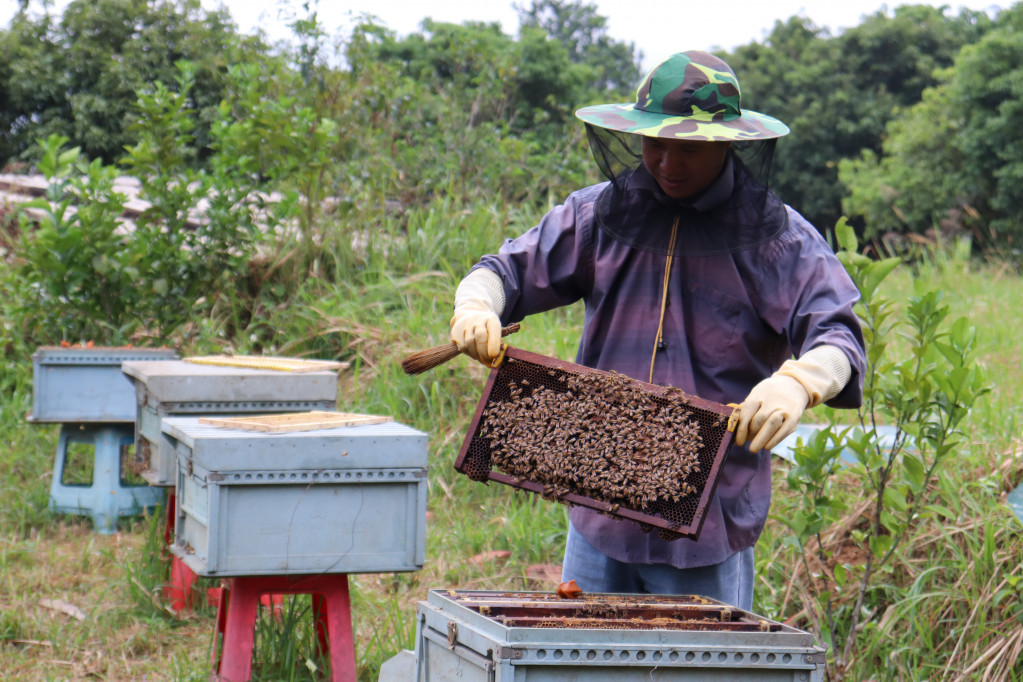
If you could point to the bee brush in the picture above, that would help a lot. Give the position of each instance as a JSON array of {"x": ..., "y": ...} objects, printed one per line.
[{"x": 422, "y": 360}]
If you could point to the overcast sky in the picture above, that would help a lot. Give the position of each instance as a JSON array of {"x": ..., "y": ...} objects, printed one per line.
[{"x": 657, "y": 27}]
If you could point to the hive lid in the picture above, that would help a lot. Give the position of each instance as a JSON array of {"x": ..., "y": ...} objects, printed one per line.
[
  {"x": 177, "y": 381},
  {"x": 566, "y": 433},
  {"x": 386, "y": 445}
]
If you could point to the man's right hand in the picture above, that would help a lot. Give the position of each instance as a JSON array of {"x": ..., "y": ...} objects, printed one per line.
[{"x": 476, "y": 324}]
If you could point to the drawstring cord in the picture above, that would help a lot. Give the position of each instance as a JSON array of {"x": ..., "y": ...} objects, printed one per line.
[{"x": 664, "y": 297}]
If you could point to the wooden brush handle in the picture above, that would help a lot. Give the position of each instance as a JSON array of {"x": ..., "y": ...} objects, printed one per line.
[
  {"x": 510, "y": 329},
  {"x": 424, "y": 360}
]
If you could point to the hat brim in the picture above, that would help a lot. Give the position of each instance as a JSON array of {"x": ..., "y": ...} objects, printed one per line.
[{"x": 626, "y": 118}]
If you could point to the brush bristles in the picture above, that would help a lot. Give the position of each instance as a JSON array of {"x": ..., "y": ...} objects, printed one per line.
[{"x": 420, "y": 361}]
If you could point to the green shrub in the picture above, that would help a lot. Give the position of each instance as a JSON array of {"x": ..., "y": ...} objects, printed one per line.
[{"x": 923, "y": 380}]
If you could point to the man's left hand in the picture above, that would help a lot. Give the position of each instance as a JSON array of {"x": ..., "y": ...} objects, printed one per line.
[{"x": 771, "y": 412}]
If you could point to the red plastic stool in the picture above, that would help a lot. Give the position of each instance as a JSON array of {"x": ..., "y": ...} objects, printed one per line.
[
  {"x": 178, "y": 590},
  {"x": 236, "y": 622},
  {"x": 168, "y": 519}
]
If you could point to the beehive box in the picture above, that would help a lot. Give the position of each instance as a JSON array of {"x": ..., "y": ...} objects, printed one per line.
[
  {"x": 527, "y": 637},
  {"x": 581, "y": 436},
  {"x": 335, "y": 500},
  {"x": 81, "y": 385},
  {"x": 182, "y": 388}
]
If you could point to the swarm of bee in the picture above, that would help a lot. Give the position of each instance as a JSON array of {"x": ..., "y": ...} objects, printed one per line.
[{"x": 600, "y": 436}]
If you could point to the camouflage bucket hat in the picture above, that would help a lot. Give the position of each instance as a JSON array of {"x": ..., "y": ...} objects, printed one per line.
[{"x": 690, "y": 95}]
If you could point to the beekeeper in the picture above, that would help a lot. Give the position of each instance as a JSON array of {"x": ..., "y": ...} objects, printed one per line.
[{"x": 693, "y": 275}]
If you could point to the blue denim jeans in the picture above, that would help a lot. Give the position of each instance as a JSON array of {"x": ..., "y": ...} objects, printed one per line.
[{"x": 730, "y": 582}]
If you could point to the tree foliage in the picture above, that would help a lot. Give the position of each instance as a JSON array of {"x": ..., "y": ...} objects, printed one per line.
[
  {"x": 321, "y": 151},
  {"x": 509, "y": 99},
  {"x": 953, "y": 160},
  {"x": 583, "y": 33},
  {"x": 79, "y": 76},
  {"x": 494, "y": 112},
  {"x": 837, "y": 93},
  {"x": 234, "y": 147}
]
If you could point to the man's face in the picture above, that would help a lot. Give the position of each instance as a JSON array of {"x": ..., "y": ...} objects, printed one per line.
[{"x": 683, "y": 168}]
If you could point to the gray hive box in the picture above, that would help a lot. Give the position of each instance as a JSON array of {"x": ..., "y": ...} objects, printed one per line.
[
  {"x": 481, "y": 637},
  {"x": 181, "y": 388},
  {"x": 349, "y": 499},
  {"x": 80, "y": 385}
]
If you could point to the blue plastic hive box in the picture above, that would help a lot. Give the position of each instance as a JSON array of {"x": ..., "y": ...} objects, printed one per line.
[
  {"x": 78, "y": 384},
  {"x": 337, "y": 500},
  {"x": 181, "y": 388},
  {"x": 459, "y": 642}
]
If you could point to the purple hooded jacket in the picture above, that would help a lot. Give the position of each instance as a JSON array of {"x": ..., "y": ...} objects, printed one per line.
[{"x": 732, "y": 319}]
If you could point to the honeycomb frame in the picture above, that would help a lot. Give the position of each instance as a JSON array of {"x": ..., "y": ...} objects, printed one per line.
[{"x": 671, "y": 519}]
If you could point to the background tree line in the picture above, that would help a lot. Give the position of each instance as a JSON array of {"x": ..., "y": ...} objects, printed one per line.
[
  {"x": 904, "y": 123},
  {"x": 893, "y": 123}
]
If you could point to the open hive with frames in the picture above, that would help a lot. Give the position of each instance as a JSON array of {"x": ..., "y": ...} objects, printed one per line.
[
  {"x": 580, "y": 436},
  {"x": 541, "y": 637}
]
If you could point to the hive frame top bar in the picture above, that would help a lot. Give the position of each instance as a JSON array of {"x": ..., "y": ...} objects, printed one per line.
[
  {"x": 566, "y": 366},
  {"x": 701, "y": 405}
]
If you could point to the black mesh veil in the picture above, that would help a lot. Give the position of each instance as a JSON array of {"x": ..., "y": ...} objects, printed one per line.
[{"x": 633, "y": 209}]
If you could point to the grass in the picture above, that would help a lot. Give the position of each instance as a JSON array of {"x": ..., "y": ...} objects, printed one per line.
[{"x": 954, "y": 605}]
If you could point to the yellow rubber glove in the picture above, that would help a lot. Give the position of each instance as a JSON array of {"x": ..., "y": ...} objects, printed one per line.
[
  {"x": 476, "y": 324},
  {"x": 771, "y": 412},
  {"x": 773, "y": 408}
]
